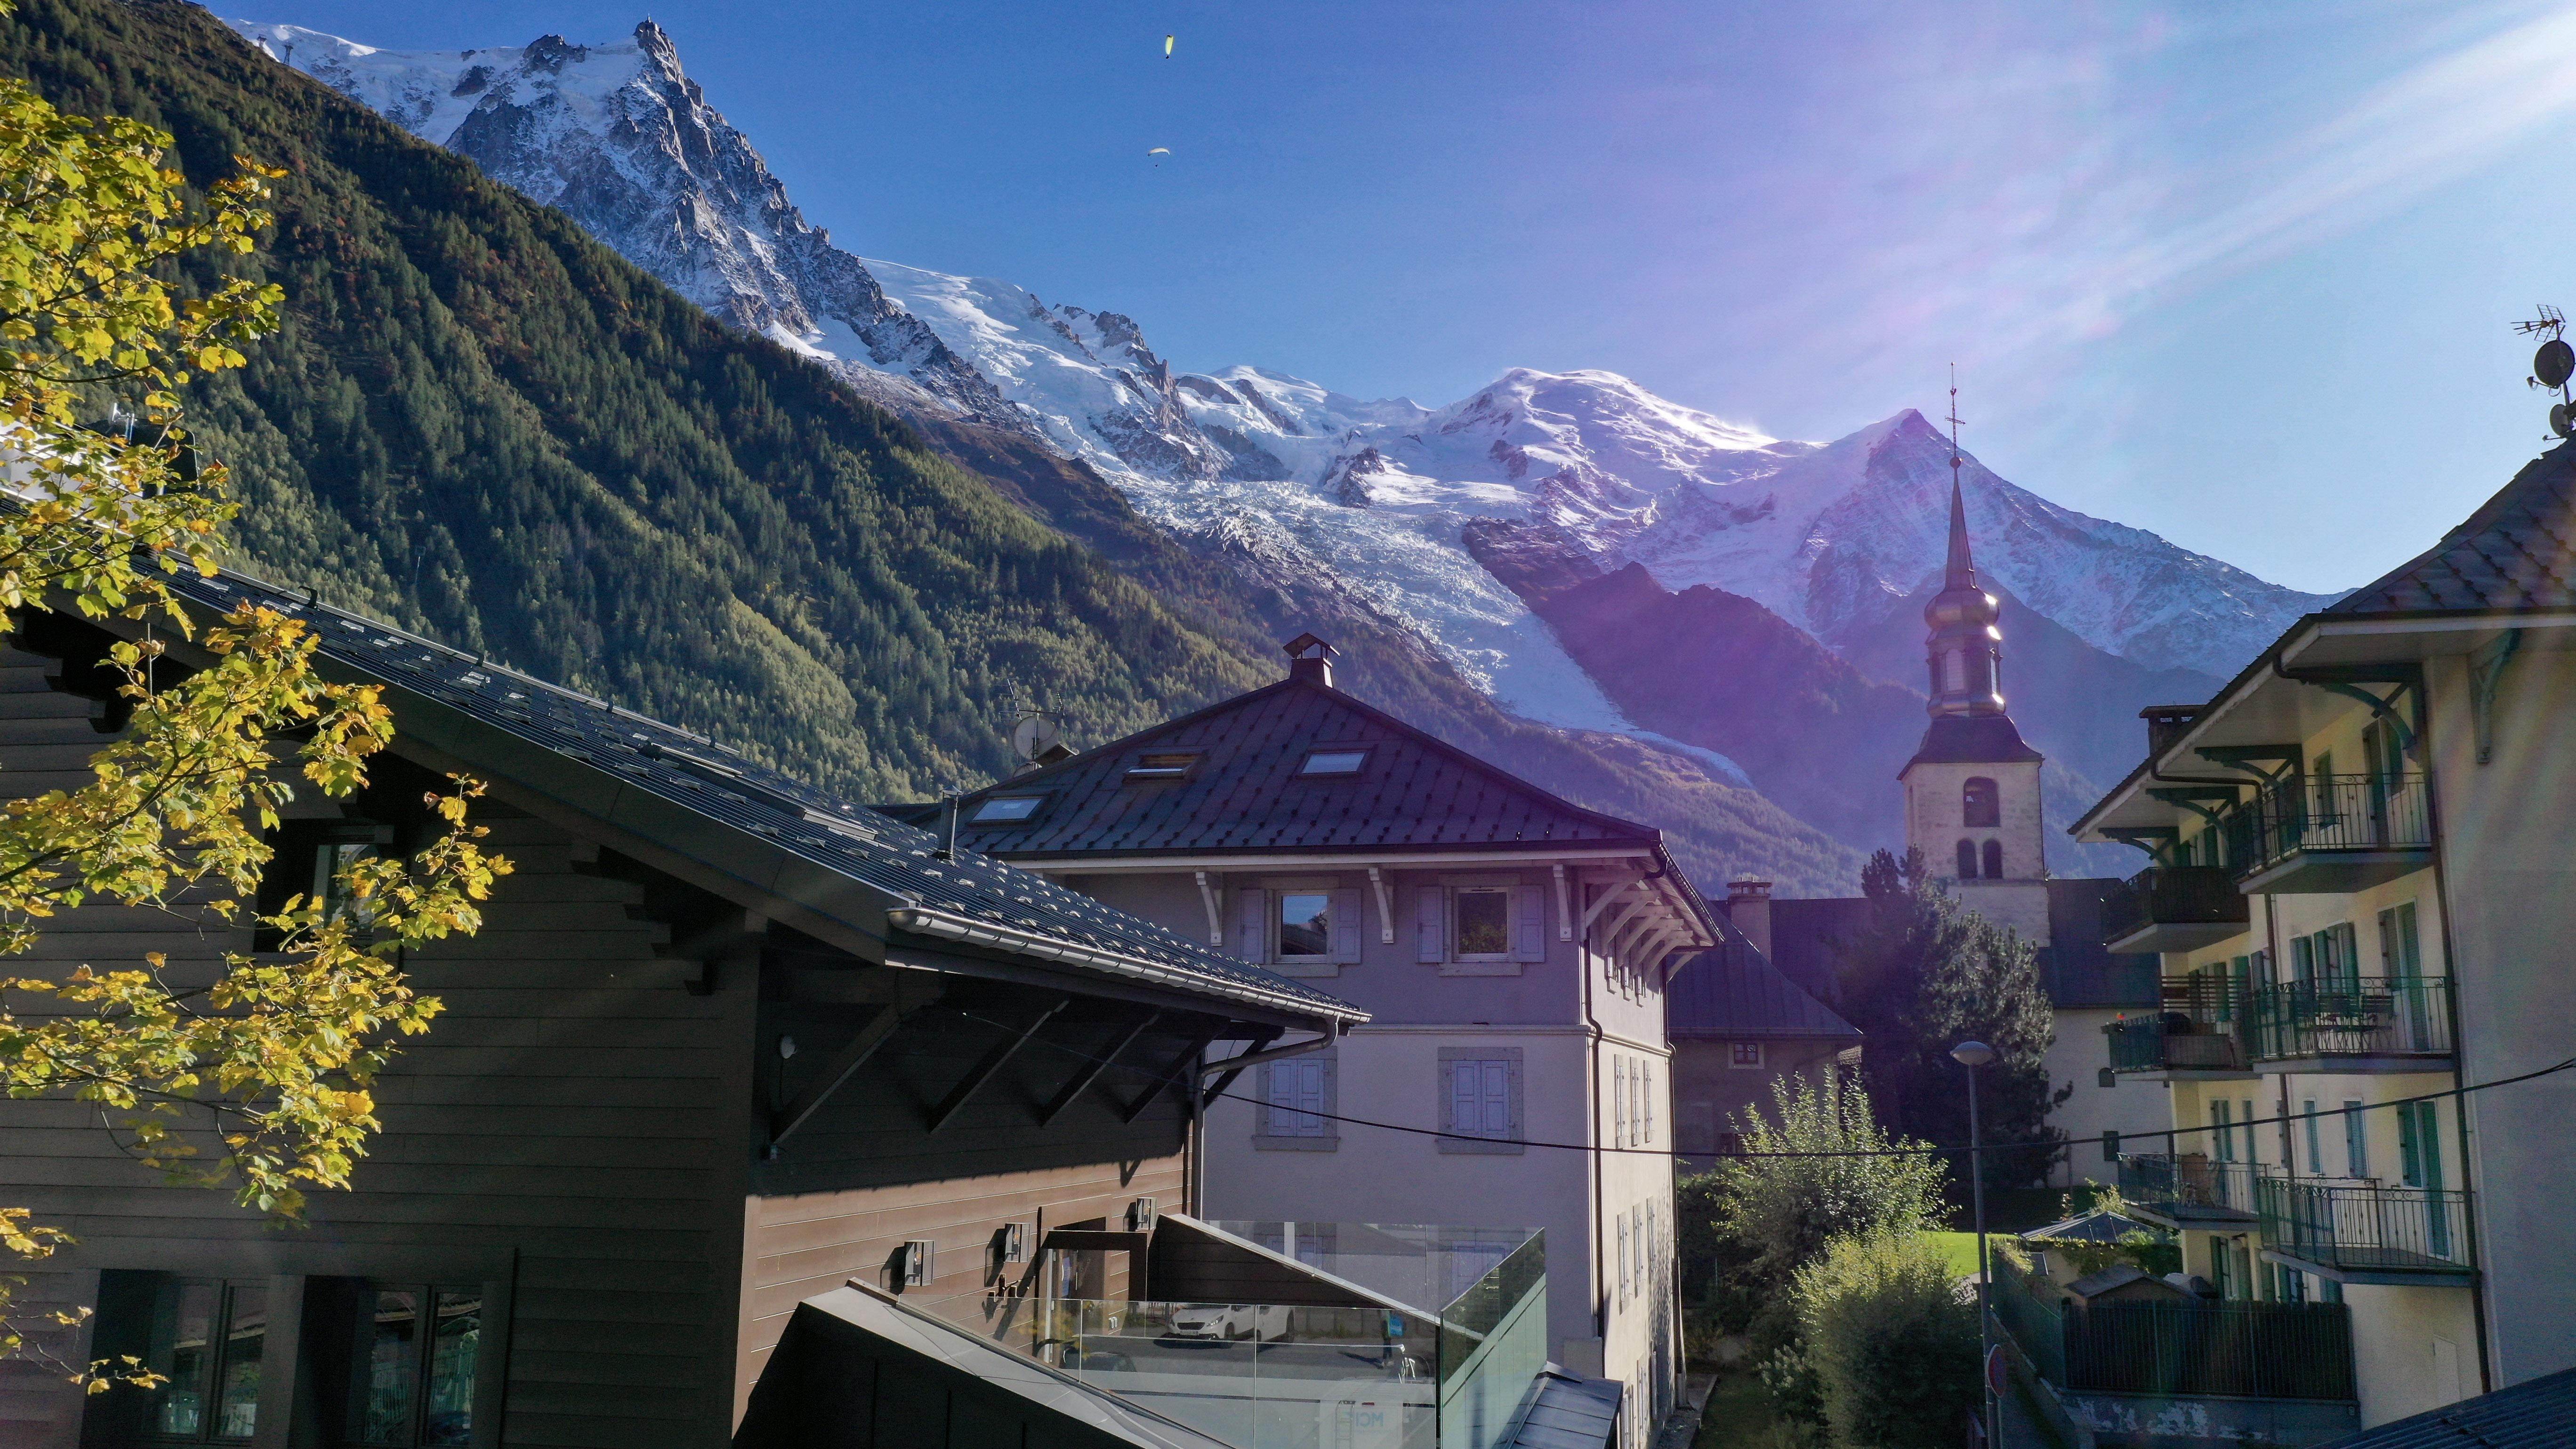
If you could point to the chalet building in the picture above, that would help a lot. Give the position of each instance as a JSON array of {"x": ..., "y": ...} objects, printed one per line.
[
  {"x": 1739, "y": 1020},
  {"x": 725, "y": 1044},
  {"x": 1511, "y": 949},
  {"x": 1972, "y": 806},
  {"x": 2361, "y": 898}
]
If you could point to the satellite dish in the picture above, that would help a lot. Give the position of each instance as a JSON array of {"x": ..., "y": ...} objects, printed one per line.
[
  {"x": 1034, "y": 736},
  {"x": 2554, "y": 363},
  {"x": 2558, "y": 422}
]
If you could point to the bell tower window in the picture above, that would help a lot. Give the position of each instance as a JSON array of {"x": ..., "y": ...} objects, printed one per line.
[
  {"x": 1980, "y": 804},
  {"x": 1967, "y": 860},
  {"x": 1994, "y": 860}
]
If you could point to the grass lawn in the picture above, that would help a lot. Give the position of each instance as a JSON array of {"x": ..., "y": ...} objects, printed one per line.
[
  {"x": 1738, "y": 1415},
  {"x": 1959, "y": 1250}
]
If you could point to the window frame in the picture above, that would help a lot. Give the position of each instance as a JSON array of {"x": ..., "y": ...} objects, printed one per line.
[
  {"x": 1277, "y": 923},
  {"x": 1457, "y": 934},
  {"x": 1037, "y": 810},
  {"x": 1991, "y": 798},
  {"x": 210, "y": 1376},
  {"x": 1143, "y": 770},
  {"x": 1463, "y": 1141},
  {"x": 1735, "y": 1058},
  {"x": 424, "y": 1357},
  {"x": 1359, "y": 762}
]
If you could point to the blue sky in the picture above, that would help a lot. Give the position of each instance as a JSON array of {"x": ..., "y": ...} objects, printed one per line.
[{"x": 2239, "y": 274}]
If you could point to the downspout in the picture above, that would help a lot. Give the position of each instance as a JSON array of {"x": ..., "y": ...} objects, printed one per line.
[{"x": 1592, "y": 1110}]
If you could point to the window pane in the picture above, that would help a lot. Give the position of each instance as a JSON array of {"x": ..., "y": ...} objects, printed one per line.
[
  {"x": 1334, "y": 762},
  {"x": 1007, "y": 807},
  {"x": 1305, "y": 923},
  {"x": 388, "y": 1368},
  {"x": 1484, "y": 922},
  {"x": 245, "y": 1337},
  {"x": 451, "y": 1367},
  {"x": 183, "y": 1331},
  {"x": 329, "y": 890}
]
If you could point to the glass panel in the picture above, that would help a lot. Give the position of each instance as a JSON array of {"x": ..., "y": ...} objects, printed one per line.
[
  {"x": 1484, "y": 922},
  {"x": 182, "y": 1351},
  {"x": 1334, "y": 762},
  {"x": 388, "y": 1367},
  {"x": 458, "y": 1338},
  {"x": 1305, "y": 923},
  {"x": 245, "y": 1339},
  {"x": 328, "y": 863}
]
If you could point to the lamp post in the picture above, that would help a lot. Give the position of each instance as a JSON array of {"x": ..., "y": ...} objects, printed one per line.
[{"x": 1972, "y": 1055}]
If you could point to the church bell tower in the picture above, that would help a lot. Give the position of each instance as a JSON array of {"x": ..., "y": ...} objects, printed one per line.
[{"x": 1972, "y": 802}]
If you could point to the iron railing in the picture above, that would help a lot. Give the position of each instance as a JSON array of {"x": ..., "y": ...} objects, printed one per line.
[
  {"x": 2173, "y": 1042},
  {"x": 2173, "y": 895},
  {"x": 2189, "y": 1186},
  {"x": 2328, "y": 813},
  {"x": 2362, "y": 1226},
  {"x": 2187, "y": 1349},
  {"x": 2400, "y": 1016}
]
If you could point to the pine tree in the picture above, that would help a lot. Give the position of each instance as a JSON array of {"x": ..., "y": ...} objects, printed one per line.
[{"x": 1928, "y": 973}]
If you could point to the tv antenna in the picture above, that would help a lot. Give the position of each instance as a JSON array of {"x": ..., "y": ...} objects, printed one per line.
[{"x": 2552, "y": 366}]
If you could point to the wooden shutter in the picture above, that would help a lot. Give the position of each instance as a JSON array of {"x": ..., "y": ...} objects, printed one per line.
[
  {"x": 2303, "y": 961},
  {"x": 1252, "y": 925},
  {"x": 1282, "y": 1080},
  {"x": 1346, "y": 927},
  {"x": 1494, "y": 1098},
  {"x": 1296, "y": 1097},
  {"x": 1431, "y": 914},
  {"x": 2356, "y": 1141},
  {"x": 2410, "y": 1151},
  {"x": 1646, "y": 1103},
  {"x": 1529, "y": 923},
  {"x": 1619, "y": 1101}
]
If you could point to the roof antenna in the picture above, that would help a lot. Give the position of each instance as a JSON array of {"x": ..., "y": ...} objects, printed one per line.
[{"x": 2552, "y": 365}]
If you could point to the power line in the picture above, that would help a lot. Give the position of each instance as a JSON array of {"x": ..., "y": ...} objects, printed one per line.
[{"x": 1927, "y": 1151}]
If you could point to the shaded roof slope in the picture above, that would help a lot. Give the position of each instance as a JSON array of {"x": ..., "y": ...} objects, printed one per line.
[
  {"x": 1734, "y": 991},
  {"x": 1023, "y": 912},
  {"x": 2538, "y": 1414},
  {"x": 2516, "y": 552},
  {"x": 1243, "y": 790}
]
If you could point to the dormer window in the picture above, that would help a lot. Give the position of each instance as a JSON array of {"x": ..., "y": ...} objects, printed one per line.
[
  {"x": 1006, "y": 809},
  {"x": 1333, "y": 762},
  {"x": 1150, "y": 768}
]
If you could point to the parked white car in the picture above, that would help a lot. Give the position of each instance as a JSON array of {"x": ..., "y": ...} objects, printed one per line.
[{"x": 1230, "y": 1320}]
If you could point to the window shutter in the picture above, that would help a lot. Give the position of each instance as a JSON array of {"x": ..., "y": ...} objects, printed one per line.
[
  {"x": 1513, "y": 1089},
  {"x": 1252, "y": 925},
  {"x": 1281, "y": 1079},
  {"x": 2410, "y": 1149},
  {"x": 1346, "y": 927},
  {"x": 2303, "y": 960},
  {"x": 1462, "y": 1096},
  {"x": 1646, "y": 1103},
  {"x": 1618, "y": 1101},
  {"x": 1494, "y": 1091},
  {"x": 1432, "y": 917},
  {"x": 1529, "y": 923},
  {"x": 1310, "y": 1096}
]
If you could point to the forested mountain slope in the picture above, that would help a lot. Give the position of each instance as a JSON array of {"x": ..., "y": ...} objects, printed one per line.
[{"x": 482, "y": 424}]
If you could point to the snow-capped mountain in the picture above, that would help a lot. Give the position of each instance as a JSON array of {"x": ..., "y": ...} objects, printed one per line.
[{"x": 1378, "y": 495}]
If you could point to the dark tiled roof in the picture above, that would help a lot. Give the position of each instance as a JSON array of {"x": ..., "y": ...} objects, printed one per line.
[
  {"x": 1244, "y": 793},
  {"x": 2074, "y": 967},
  {"x": 2518, "y": 551},
  {"x": 2538, "y": 1414},
  {"x": 1972, "y": 739},
  {"x": 1733, "y": 991},
  {"x": 711, "y": 781},
  {"x": 1807, "y": 938}
]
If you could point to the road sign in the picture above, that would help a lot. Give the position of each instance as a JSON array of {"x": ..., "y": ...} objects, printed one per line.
[{"x": 1998, "y": 1370}]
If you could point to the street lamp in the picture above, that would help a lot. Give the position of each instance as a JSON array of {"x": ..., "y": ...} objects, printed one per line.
[{"x": 1972, "y": 1055}]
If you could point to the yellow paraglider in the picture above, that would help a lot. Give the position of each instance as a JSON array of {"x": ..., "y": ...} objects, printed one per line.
[{"x": 1167, "y": 47}]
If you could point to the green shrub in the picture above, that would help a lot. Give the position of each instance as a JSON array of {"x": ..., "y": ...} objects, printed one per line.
[{"x": 1891, "y": 1344}]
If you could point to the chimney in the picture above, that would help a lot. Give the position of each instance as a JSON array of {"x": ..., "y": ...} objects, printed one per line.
[
  {"x": 2166, "y": 724},
  {"x": 1310, "y": 659},
  {"x": 1748, "y": 905}
]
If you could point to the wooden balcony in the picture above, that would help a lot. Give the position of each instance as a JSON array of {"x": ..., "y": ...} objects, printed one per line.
[{"x": 2174, "y": 908}]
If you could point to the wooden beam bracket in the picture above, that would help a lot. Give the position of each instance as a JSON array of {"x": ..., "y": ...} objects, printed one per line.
[{"x": 991, "y": 1063}]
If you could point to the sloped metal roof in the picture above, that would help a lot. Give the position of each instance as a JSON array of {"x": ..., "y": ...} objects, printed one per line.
[
  {"x": 972, "y": 900},
  {"x": 2516, "y": 552},
  {"x": 2538, "y": 1414},
  {"x": 1735, "y": 992},
  {"x": 1244, "y": 790}
]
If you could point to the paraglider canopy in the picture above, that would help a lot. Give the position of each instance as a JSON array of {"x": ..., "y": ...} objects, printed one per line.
[
  {"x": 1160, "y": 151},
  {"x": 1167, "y": 47}
]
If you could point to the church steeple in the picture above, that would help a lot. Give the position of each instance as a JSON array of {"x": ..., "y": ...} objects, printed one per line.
[{"x": 1966, "y": 649}]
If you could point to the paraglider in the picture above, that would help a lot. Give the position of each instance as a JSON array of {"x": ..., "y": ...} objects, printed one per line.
[
  {"x": 1159, "y": 151},
  {"x": 1167, "y": 47}
]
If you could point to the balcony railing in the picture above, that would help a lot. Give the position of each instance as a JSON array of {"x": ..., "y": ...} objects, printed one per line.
[
  {"x": 2366, "y": 1228},
  {"x": 2352, "y": 1016},
  {"x": 2174, "y": 1042},
  {"x": 2189, "y": 1188},
  {"x": 2326, "y": 816},
  {"x": 2174, "y": 908}
]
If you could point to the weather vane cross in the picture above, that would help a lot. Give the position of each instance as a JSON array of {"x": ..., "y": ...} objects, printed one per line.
[{"x": 1954, "y": 424}]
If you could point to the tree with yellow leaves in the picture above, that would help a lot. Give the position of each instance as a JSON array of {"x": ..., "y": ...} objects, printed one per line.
[{"x": 254, "y": 1076}]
